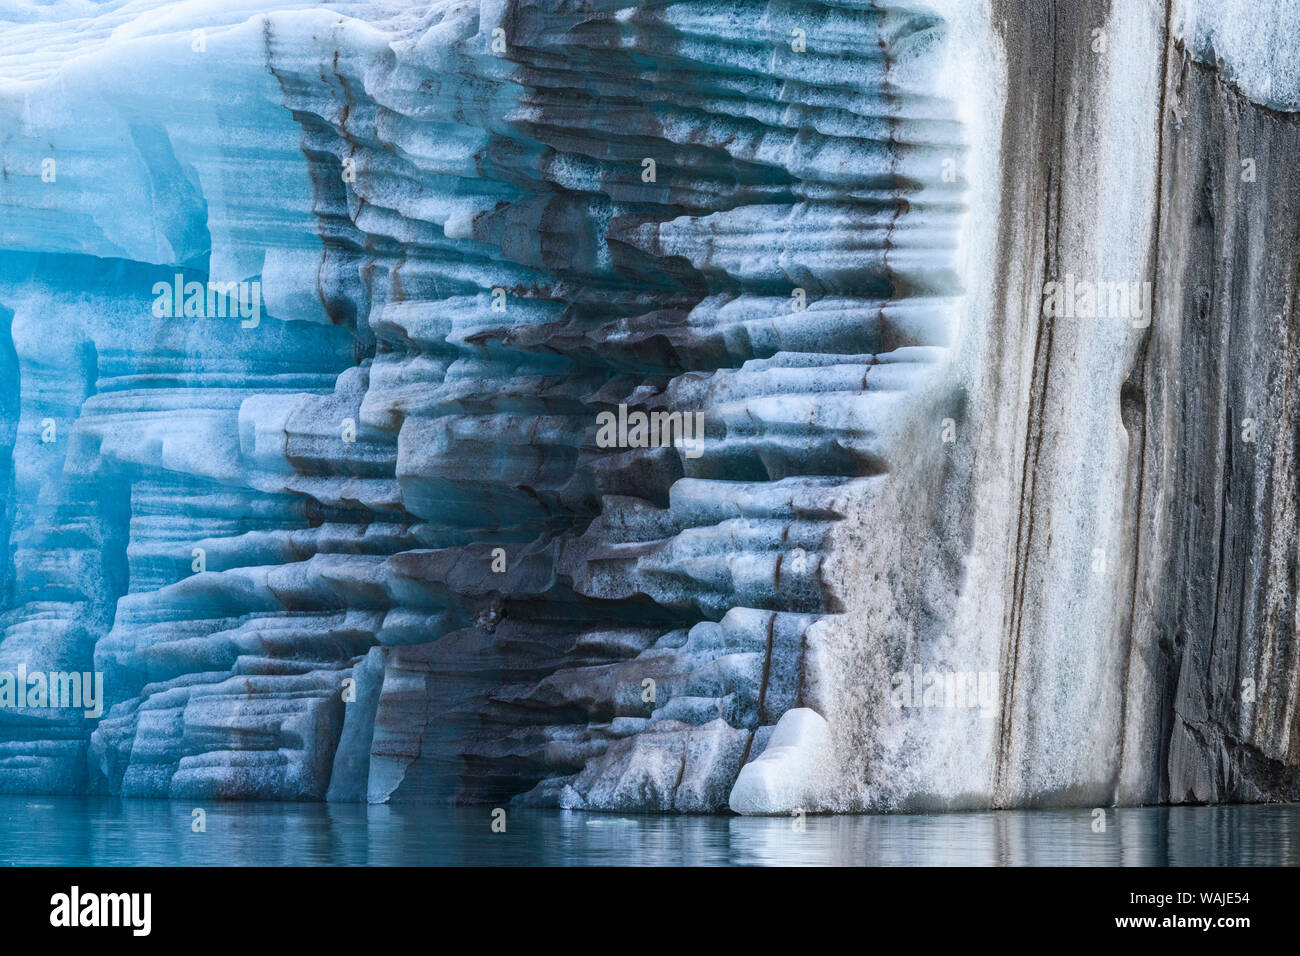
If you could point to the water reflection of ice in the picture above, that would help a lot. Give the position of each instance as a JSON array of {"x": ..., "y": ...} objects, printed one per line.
[{"x": 106, "y": 831}]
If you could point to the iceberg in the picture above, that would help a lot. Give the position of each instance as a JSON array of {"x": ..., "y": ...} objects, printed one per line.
[{"x": 596, "y": 404}]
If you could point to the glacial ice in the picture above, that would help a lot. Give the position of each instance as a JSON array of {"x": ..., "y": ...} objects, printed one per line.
[
  {"x": 277, "y": 540},
  {"x": 369, "y": 548},
  {"x": 782, "y": 777}
]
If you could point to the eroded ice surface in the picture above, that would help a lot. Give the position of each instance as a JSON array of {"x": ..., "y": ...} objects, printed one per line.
[
  {"x": 347, "y": 462},
  {"x": 473, "y": 227}
]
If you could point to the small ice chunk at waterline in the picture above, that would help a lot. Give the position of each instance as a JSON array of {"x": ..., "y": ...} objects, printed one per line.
[{"x": 780, "y": 780}]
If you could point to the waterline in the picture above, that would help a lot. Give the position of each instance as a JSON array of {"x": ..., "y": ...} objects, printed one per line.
[{"x": 105, "y": 831}]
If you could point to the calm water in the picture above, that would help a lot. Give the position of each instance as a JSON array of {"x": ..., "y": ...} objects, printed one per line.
[{"x": 75, "y": 831}]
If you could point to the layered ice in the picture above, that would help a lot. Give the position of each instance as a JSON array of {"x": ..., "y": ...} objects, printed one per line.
[
  {"x": 365, "y": 545},
  {"x": 361, "y": 539},
  {"x": 1256, "y": 46}
]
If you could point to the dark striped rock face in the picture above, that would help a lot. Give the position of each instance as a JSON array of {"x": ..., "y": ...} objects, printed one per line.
[{"x": 650, "y": 407}]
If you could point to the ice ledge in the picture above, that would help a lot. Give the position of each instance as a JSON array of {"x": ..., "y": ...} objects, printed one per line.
[{"x": 783, "y": 778}]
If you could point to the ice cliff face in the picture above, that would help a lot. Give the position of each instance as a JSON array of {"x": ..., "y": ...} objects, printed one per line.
[{"x": 310, "y": 317}]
